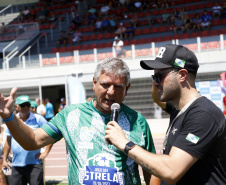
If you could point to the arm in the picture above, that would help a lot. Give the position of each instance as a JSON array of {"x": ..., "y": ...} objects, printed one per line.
[
  {"x": 28, "y": 138},
  {"x": 43, "y": 114},
  {"x": 156, "y": 98},
  {"x": 44, "y": 154},
  {"x": 44, "y": 111},
  {"x": 150, "y": 179},
  {"x": 169, "y": 168},
  {"x": 6, "y": 151}
]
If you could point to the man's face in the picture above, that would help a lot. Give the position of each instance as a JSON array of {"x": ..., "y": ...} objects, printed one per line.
[
  {"x": 168, "y": 86},
  {"x": 37, "y": 101},
  {"x": 24, "y": 108},
  {"x": 109, "y": 89},
  {"x": 33, "y": 109}
]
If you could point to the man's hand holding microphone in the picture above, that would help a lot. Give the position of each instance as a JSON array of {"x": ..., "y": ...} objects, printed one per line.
[{"x": 114, "y": 132}]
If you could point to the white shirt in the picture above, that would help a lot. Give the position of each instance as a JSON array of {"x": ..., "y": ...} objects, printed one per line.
[
  {"x": 41, "y": 109},
  {"x": 104, "y": 9},
  {"x": 118, "y": 45}
]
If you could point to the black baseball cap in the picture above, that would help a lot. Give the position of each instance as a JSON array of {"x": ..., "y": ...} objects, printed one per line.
[{"x": 171, "y": 55}]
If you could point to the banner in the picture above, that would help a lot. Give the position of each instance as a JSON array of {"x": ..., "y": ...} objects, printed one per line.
[
  {"x": 212, "y": 90},
  {"x": 76, "y": 91}
]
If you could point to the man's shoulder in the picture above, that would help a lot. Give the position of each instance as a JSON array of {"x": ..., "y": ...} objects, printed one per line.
[
  {"x": 41, "y": 106},
  {"x": 80, "y": 106},
  {"x": 39, "y": 118},
  {"x": 205, "y": 105},
  {"x": 130, "y": 111}
]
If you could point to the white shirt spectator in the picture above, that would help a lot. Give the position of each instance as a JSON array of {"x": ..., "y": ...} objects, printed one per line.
[
  {"x": 41, "y": 109},
  {"x": 105, "y": 9},
  {"x": 137, "y": 4}
]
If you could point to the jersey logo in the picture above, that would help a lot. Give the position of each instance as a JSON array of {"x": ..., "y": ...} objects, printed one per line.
[
  {"x": 161, "y": 52},
  {"x": 100, "y": 170},
  {"x": 86, "y": 134},
  {"x": 174, "y": 130},
  {"x": 192, "y": 138}
]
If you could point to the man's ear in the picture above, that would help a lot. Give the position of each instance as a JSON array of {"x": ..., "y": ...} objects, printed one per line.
[
  {"x": 94, "y": 83},
  {"x": 183, "y": 75},
  {"x": 127, "y": 88}
]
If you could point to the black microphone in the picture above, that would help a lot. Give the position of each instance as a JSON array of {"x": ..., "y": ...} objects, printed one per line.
[{"x": 115, "y": 108}]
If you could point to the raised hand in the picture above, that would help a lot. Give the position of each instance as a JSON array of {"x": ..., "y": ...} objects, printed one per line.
[{"x": 6, "y": 104}]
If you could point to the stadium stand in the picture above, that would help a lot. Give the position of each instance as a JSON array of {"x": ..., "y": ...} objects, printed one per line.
[
  {"x": 144, "y": 44},
  {"x": 144, "y": 35}
]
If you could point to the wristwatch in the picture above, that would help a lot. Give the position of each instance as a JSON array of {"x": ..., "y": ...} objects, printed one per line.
[{"x": 130, "y": 145}]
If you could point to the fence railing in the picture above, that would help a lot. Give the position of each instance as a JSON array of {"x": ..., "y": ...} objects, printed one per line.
[
  {"x": 21, "y": 34},
  {"x": 132, "y": 52}
]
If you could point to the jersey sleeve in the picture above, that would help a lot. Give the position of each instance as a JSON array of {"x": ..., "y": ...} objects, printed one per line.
[
  {"x": 55, "y": 125},
  {"x": 198, "y": 134}
]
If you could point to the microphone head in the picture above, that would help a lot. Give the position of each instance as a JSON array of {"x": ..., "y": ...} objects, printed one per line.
[{"x": 115, "y": 106}]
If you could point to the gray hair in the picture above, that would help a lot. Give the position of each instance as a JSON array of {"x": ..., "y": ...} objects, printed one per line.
[{"x": 113, "y": 66}]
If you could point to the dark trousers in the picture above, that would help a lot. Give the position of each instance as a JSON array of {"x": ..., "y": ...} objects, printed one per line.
[{"x": 32, "y": 174}]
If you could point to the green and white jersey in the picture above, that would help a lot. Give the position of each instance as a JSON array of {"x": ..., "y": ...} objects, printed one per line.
[{"x": 90, "y": 159}]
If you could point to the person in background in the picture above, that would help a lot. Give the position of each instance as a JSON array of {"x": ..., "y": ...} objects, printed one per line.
[
  {"x": 3, "y": 29},
  {"x": 121, "y": 31},
  {"x": 118, "y": 45},
  {"x": 63, "y": 38},
  {"x": 62, "y": 104},
  {"x": 178, "y": 25},
  {"x": 224, "y": 102},
  {"x": 26, "y": 13},
  {"x": 112, "y": 23},
  {"x": 98, "y": 25},
  {"x": 188, "y": 24},
  {"x": 165, "y": 18},
  {"x": 224, "y": 106},
  {"x": 49, "y": 110},
  {"x": 34, "y": 106},
  {"x": 3, "y": 178},
  {"x": 26, "y": 165},
  {"x": 223, "y": 10},
  {"x": 41, "y": 109},
  {"x": 197, "y": 23},
  {"x": 129, "y": 31},
  {"x": 195, "y": 141},
  {"x": 83, "y": 125},
  {"x": 206, "y": 20},
  {"x": 150, "y": 19},
  {"x": 33, "y": 14},
  {"x": 77, "y": 37},
  {"x": 216, "y": 10}
]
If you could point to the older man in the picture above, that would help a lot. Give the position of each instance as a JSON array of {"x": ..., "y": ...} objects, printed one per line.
[
  {"x": 90, "y": 159},
  {"x": 26, "y": 165}
]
